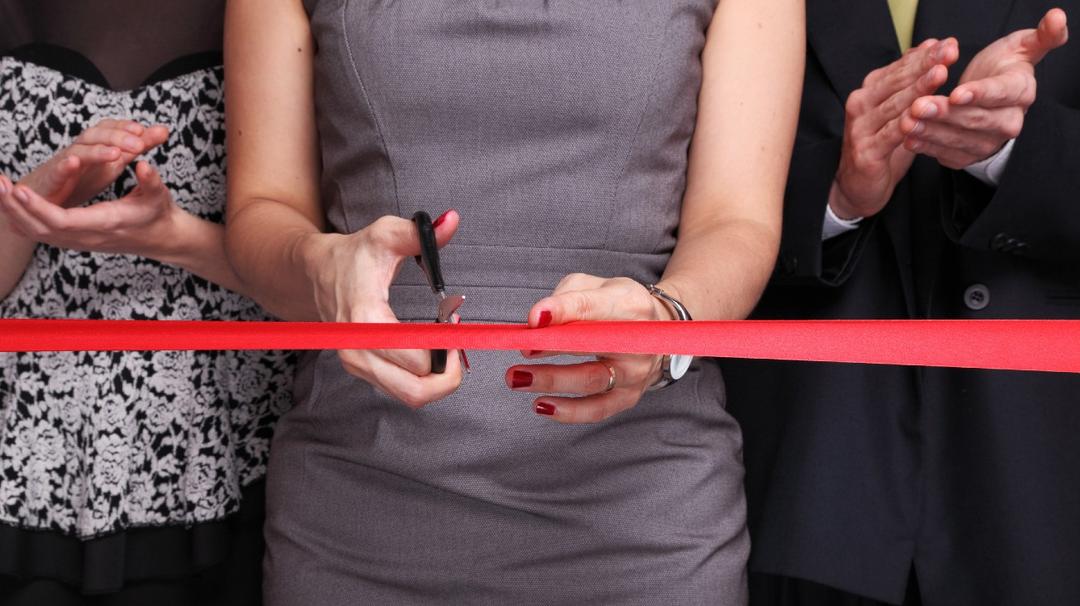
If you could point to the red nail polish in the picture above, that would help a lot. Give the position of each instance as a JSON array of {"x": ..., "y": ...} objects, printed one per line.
[
  {"x": 441, "y": 218},
  {"x": 543, "y": 408},
  {"x": 520, "y": 378},
  {"x": 545, "y": 319}
]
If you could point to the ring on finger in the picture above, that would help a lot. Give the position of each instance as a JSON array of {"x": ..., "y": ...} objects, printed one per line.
[{"x": 611, "y": 376}]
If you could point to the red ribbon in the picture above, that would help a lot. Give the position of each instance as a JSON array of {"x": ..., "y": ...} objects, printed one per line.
[{"x": 1039, "y": 345}]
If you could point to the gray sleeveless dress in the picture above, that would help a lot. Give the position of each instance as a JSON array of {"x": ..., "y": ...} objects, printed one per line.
[{"x": 559, "y": 129}]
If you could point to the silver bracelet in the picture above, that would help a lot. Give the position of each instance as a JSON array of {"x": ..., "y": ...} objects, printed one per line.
[{"x": 673, "y": 366}]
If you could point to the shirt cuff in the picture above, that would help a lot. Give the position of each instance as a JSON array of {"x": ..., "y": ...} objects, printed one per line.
[
  {"x": 989, "y": 171},
  {"x": 834, "y": 226}
]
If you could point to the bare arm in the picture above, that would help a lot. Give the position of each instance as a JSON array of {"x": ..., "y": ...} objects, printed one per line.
[
  {"x": 729, "y": 230},
  {"x": 273, "y": 188},
  {"x": 274, "y": 234}
]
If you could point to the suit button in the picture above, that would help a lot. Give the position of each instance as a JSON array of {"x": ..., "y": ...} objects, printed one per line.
[
  {"x": 789, "y": 263},
  {"x": 977, "y": 297}
]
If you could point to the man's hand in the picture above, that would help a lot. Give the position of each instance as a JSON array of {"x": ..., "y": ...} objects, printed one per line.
[
  {"x": 873, "y": 159},
  {"x": 987, "y": 108}
]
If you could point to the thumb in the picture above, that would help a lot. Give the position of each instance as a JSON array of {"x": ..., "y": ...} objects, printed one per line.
[
  {"x": 58, "y": 180},
  {"x": 400, "y": 236},
  {"x": 1052, "y": 32},
  {"x": 149, "y": 181}
]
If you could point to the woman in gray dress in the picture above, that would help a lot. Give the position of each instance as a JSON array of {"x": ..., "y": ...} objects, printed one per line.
[{"x": 560, "y": 131}]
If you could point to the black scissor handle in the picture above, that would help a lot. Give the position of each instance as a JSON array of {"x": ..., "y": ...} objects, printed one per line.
[
  {"x": 429, "y": 251},
  {"x": 428, "y": 259}
]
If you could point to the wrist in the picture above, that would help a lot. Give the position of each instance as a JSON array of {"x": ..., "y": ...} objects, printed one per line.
[
  {"x": 168, "y": 239},
  {"x": 662, "y": 310},
  {"x": 840, "y": 206},
  {"x": 310, "y": 251}
]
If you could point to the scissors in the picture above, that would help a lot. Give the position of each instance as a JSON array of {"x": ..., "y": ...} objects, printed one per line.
[{"x": 446, "y": 306}]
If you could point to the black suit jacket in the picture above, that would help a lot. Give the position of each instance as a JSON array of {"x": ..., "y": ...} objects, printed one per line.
[{"x": 856, "y": 473}]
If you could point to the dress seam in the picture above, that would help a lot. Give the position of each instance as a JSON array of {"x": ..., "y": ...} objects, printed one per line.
[{"x": 370, "y": 107}]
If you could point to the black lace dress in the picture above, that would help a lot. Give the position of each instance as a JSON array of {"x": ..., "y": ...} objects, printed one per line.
[{"x": 125, "y": 472}]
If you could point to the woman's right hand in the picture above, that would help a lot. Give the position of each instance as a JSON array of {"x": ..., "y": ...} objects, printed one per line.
[
  {"x": 351, "y": 275},
  {"x": 93, "y": 161}
]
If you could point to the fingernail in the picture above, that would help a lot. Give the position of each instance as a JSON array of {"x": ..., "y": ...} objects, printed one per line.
[
  {"x": 3, "y": 188},
  {"x": 520, "y": 378},
  {"x": 918, "y": 128},
  {"x": 928, "y": 110},
  {"x": 442, "y": 217},
  {"x": 965, "y": 97},
  {"x": 545, "y": 319},
  {"x": 21, "y": 196},
  {"x": 543, "y": 408},
  {"x": 133, "y": 143}
]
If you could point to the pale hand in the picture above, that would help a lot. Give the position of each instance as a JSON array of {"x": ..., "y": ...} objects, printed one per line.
[
  {"x": 141, "y": 223},
  {"x": 352, "y": 275},
  {"x": 94, "y": 161},
  {"x": 987, "y": 108},
  {"x": 582, "y": 297}
]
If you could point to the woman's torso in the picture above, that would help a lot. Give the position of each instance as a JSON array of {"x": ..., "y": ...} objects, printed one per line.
[{"x": 559, "y": 131}]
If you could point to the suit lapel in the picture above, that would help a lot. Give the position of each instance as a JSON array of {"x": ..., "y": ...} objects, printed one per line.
[{"x": 851, "y": 38}]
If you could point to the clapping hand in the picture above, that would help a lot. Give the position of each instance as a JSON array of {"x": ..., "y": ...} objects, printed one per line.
[
  {"x": 139, "y": 223},
  {"x": 93, "y": 162},
  {"x": 987, "y": 108},
  {"x": 873, "y": 159}
]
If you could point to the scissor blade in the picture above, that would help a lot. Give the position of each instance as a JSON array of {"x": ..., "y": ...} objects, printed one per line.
[{"x": 449, "y": 305}]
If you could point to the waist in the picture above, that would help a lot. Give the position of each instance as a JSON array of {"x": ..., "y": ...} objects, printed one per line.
[{"x": 501, "y": 283}]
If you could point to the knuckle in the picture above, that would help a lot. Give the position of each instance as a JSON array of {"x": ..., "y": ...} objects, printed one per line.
[
  {"x": 566, "y": 282},
  {"x": 596, "y": 379},
  {"x": 351, "y": 365},
  {"x": 856, "y": 102},
  {"x": 412, "y": 395},
  {"x": 60, "y": 223},
  {"x": 582, "y": 305},
  {"x": 1013, "y": 124},
  {"x": 381, "y": 230},
  {"x": 1027, "y": 98},
  {"x": 863, "y": 160},
  {"x": 595, "y": 414},
  {"x": 639, "y": 374},
  {"x": 874, "y": 77},
  {"x": 571, "y": 281}
]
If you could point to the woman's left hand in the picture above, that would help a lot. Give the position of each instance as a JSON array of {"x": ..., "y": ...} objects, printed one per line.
[
  {"x": 611, "y": 383},
  {"x": 140, "y": 223}
]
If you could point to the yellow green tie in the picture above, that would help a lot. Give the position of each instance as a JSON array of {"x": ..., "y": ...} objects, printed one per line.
[{"x": 903, "y": 16}]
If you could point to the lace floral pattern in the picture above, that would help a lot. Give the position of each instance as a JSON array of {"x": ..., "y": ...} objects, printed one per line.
[{"x": 93, "y": 443}]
